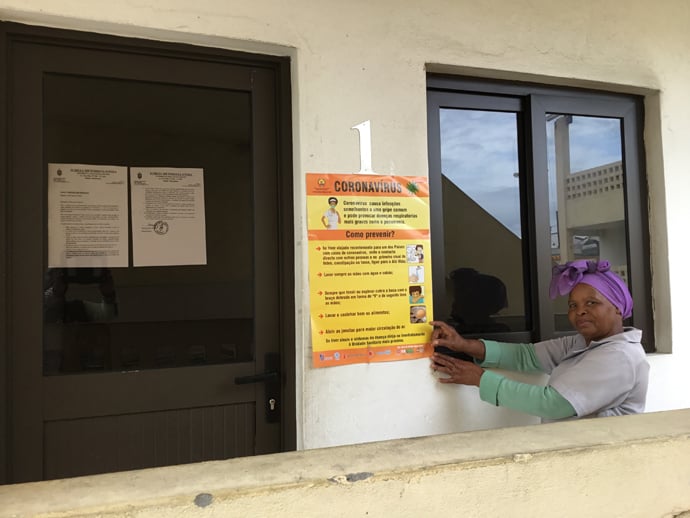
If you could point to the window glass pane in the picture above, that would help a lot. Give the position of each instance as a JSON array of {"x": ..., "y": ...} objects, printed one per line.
[
  {"x": 481, "y": 220},
  {"x": 117, "y": 319},
  {"x": 586, "y": 194}
]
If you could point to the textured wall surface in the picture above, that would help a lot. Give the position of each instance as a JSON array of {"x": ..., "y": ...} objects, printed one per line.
[{"x": 633, "y": 466}]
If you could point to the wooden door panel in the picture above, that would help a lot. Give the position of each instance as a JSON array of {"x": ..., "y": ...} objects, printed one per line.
[
  {"x": 134, "y": 441},
  {"x": 79, "y": 396}
]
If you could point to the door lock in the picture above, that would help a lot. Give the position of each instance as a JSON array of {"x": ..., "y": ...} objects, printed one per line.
[{"x": 272, "y": 381}]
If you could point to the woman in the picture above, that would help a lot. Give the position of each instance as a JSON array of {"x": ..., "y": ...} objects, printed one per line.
[{"x": 600, "y": 371}]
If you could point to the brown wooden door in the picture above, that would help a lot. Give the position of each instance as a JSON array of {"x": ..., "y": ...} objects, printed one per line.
[{"x": 153, "y": 383}]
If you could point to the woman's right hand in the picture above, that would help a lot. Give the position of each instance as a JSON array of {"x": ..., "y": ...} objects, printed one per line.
[{"x": 447, "y": 336}]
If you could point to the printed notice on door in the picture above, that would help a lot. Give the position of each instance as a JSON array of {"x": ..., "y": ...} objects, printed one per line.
[
  {"x": 168, "y": 216},
  {"x": 369, "y": 268},
  {"x": 87, "y": 216}
]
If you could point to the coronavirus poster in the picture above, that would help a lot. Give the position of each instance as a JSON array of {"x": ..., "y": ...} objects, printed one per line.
[{"x": 369, "y": 268}]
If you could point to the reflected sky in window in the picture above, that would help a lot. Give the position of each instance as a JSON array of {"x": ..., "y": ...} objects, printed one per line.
[
  {"x": 479, "y": 154},
  {"x": 593, "y": 142}
]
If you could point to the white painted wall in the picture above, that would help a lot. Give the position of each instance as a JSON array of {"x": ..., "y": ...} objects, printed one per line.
[
  {"x": 367, "y": 60},
  {"x": 567, "y": 470}
]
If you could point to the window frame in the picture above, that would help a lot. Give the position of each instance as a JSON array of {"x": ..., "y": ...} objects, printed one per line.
[{"x": 531, "y": 103}]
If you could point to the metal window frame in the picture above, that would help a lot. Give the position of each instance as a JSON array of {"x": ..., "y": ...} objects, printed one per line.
[{"x": 532, "y": 102}]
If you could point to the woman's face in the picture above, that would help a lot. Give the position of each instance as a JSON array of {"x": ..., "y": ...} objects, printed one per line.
[{"x": 592, "y": 315}]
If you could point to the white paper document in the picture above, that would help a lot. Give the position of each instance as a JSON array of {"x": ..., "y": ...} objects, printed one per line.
[
  {"x": 168, "y": 216},
  {"x": 87, "y": 216}
]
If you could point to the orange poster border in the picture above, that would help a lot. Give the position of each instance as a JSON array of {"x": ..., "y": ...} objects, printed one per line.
[{"x": 386, "y": 353}]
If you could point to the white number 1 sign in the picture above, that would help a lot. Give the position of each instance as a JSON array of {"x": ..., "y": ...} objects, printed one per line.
[{"x": 364, "y": 130}]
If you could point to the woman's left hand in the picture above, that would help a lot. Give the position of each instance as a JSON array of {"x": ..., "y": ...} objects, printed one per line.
[{"x": 459, "y": 371}]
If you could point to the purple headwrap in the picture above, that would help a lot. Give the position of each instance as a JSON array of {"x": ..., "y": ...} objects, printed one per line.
[{"x": 597, "y": 274}]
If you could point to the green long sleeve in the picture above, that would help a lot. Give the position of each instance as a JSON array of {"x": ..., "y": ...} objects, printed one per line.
[
  {"x": 544, "y": 402},
  {"x": 515, "y": 357},
  {"x": 498, "y": 390}
]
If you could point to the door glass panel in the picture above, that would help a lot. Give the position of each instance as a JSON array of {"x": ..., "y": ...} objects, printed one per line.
[
  {"x": 481, "y": 220},
  {"x": 586, "y": 195},
  {"x": 120, "y": 319}
]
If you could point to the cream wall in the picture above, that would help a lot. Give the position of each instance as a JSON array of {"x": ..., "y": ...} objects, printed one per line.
[
  {"x": 621, "y": 467},
  {"x": 366, "y": 60}
]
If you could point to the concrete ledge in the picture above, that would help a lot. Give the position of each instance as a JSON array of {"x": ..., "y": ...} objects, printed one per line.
[{"x": 621, "y": 466}]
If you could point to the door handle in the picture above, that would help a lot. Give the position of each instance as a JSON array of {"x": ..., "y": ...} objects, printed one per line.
[
  {"x": 272, "y": 391},
  {"x": 258, "y": 378}
]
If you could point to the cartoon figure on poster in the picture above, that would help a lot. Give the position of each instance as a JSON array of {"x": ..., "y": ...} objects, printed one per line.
[
  {"x": 416, "y": 295},
  {"x": 414, "y": 253},
  {"x": 416, "y": 274},
  {"x": 418, "y": 314},
  {"x": 331, "y": 218}
]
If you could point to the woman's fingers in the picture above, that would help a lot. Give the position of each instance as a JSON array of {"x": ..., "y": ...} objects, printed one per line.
[
  {"x": 458, "y": 371},
  {"x": 445, "y": 335},
  {"x": 442, "y": 360},
  {"x": 441, "y": 328},
  {"x": 445, "y": 363}
]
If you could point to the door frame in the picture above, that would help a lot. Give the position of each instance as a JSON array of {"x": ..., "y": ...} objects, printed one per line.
[{"x": 279, "y": 67}]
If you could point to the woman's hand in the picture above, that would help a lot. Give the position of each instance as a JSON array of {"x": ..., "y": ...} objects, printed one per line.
[
  {"x": 458, "y": 371},
  {"x": 447, "y": 336}
]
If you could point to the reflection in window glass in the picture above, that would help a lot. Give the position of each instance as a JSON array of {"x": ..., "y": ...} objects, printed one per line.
[
  {"x": 481, "y": 218},
  {"x": 137, "y": 318},
  {"x": 586, "y": 194}
]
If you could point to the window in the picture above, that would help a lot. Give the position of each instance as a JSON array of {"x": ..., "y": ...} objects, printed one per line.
[{"x": 503, "y": 158}]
